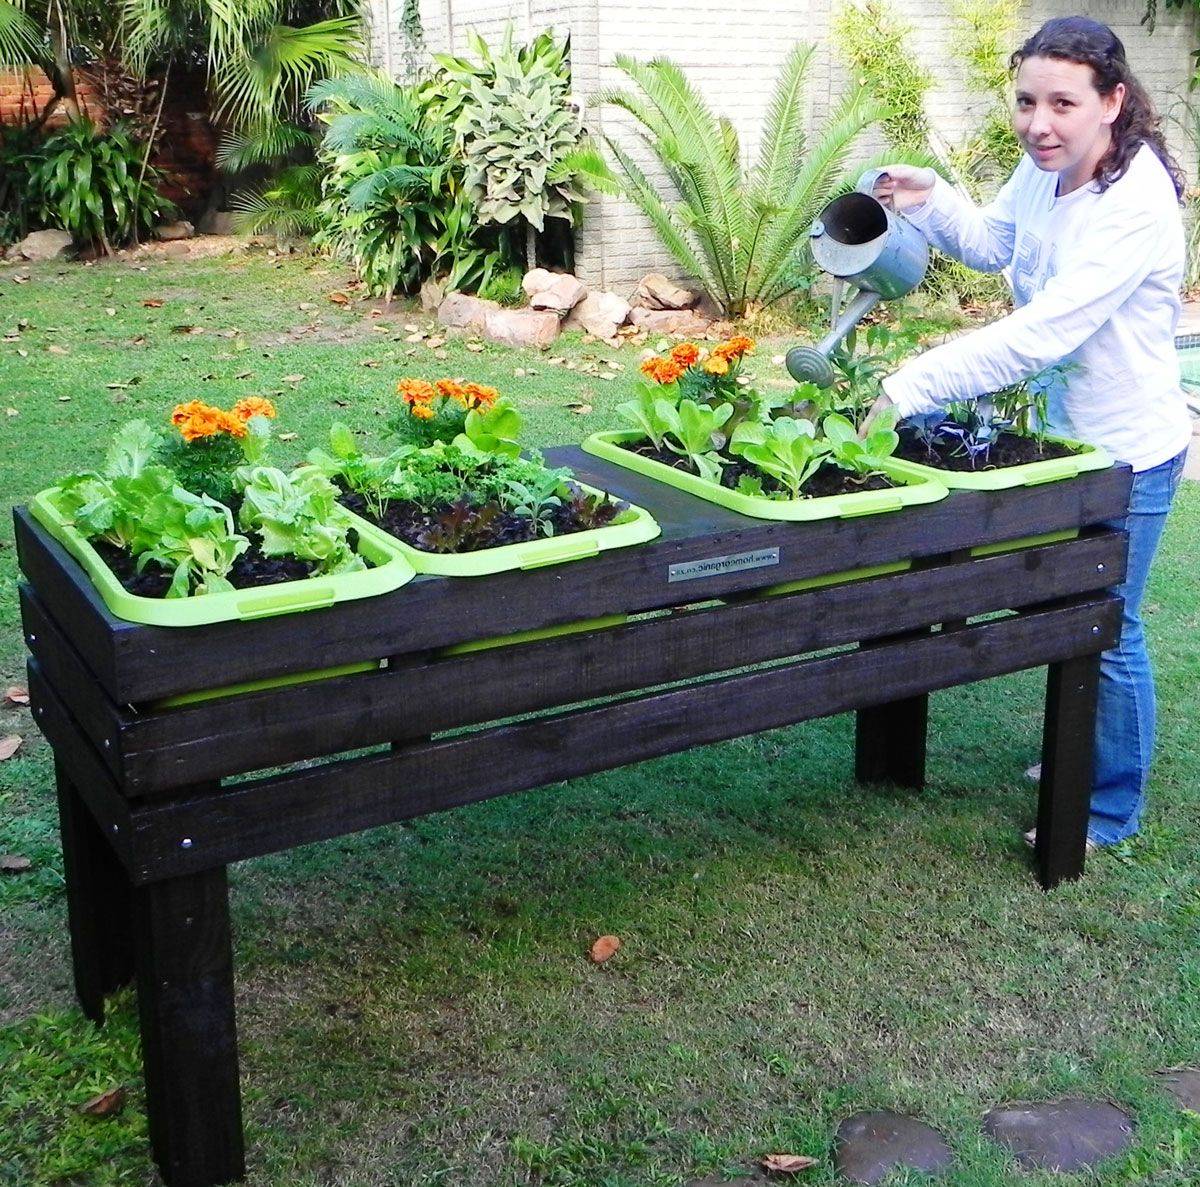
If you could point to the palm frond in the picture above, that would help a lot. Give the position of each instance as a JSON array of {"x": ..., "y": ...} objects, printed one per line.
[
  {"x": 289, "y": 206},
  {"x": 397, "y": 180},
  {"x": 783, "y": 127},
  {"x": 587, "y": 163},
  {"x": 20, "y": 38},
  {"x": 263, "y": 144}
]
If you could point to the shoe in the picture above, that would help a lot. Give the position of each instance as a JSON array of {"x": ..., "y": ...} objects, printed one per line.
[
  {"x": 1034, "y": 773},
  {"x": 1030, "y": 839}
]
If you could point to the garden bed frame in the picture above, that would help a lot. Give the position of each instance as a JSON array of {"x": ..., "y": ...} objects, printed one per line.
[{"x": 148, "y": 827}]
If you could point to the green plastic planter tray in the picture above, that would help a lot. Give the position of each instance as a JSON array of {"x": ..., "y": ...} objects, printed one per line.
[
  {"x": 1089, "y": 457},
  {"x": 391, "y": 570},
  {"x": 535, "y": 554},
  {"x": 1025, "y": 542},
  {"x": 924, "y": 487},
  {"x": 545, "y": 632},
  {"x": 231, "y": 690}
]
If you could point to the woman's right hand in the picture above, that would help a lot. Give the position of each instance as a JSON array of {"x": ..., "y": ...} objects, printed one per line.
[{"x": 901, "y": 187}]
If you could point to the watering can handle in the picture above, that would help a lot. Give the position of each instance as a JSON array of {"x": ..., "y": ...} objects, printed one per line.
[{"x": 868, "y": 181}]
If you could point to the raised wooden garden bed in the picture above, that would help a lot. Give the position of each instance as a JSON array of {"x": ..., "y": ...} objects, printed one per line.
[{"x": 149, "y": 826}]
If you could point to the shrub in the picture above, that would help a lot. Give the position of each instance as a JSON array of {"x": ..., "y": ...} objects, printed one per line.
[{"x": 20, "y": 153}]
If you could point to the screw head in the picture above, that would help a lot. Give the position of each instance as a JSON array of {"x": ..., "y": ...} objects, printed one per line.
[
  {"x": 1100, "y": 567},
  {"x": 1095, "y": 630},
  {"x": 186, "y": 843}
]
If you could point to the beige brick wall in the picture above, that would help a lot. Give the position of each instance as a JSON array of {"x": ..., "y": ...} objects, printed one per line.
[{"x": 732, "y": 55}]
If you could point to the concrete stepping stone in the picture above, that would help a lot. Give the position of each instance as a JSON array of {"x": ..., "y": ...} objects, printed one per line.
[
  {"x": 1060, "y": 1135},
  {"x": 1184, "y": 1085},
  {"x": 869, "y": 1145}
]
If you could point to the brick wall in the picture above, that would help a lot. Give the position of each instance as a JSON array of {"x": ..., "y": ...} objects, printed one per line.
[
  {"x": 186, "y": 142},
  {"x": 732, "y": 55}
]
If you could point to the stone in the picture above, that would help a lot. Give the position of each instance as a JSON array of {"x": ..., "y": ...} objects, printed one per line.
[
  {"x": 216, "y": 222},
  {"x": 655, "y": 291},
  {"x": 1060, "y": 1135},
  {"x": 172, "y": 231},
  {"x": 1184, "y": 1085},
  {"x": 870, "y": 1145},
  {"x": 537, "y": 280},
  {"x": 561, "y": 297},
  {"x": 464, "y": 312},
  {"x": 522, "y": 327},
  {"x": 668, "y": 321},
  {"x": 600, "y": 314},
  {"x": 44, "y": 245},
  {"x": 433, "y": 293}
]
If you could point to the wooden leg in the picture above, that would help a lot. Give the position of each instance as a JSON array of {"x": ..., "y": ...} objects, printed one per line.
[
  {"x": 98, "y": 906},
  {"x": 1068, "y": 744},
  {"x": 189, "y": 1037},
  {"x": 889, "y": 742}
]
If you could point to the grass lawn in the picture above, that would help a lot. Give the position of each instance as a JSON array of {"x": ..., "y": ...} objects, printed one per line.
[{"x": 415, "y": 1004}]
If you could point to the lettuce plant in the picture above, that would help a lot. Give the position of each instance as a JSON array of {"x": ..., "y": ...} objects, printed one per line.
[
  {"x": 371, "y": 477},
  {"x": 194, "y": 537},
  {"x": 492, "y": 429},
  {"x": 651, "y": 411},
  {"x": 693, "y": 432},
  {"x": 787, "y": 449},
  {"x": 860, "y": 456}
]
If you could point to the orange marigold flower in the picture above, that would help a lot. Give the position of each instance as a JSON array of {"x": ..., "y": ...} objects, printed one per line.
[
  {"x": 450, "y": 388},
  {"x": 416, "y": 391},
  {"x": 737, "y": 346},
  {"x": 479, "y": 395},
  {"x": 421, "y": 411},
  {"x": 231, "y": 424},
  {"x": 716, "y": 364},
  {"x": 253, "y": 406},
  {"x": 184, "y": 412},
  {"x": 685, "y": 354},
  {"x": 661, "y": 370}
]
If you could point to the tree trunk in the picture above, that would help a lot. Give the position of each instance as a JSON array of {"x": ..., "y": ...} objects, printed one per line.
[
  {"x": 530, "y": 246},
  {"x": 62, "y": 73}
]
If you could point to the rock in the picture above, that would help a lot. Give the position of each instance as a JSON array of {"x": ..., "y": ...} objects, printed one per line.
[
  {"x": 522, "y": 327},
  {"x": 561, "y": 297},
  {"x": 216, "y": 222},
  {"x": 707, "y": 307},
  {"x": 1184, "y": 1085},
  {"x": 657, "y": 292},
  {"x": 433, "y": 292},
  {"x": 44, "y": 245},
  {"x": 1062, "y": 1135},
  {"x": 465, "y": 312},
  {"x": 600, "y": 314},
  {"x": 668, "y": 321},
  {"x": 869, "y": 1145},
  {"x": 537, "y": 280},
  {"x": 171, "y": 231}
]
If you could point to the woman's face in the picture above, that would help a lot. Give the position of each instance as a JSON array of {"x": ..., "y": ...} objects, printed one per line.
[{"x": 1062, "y": 121}]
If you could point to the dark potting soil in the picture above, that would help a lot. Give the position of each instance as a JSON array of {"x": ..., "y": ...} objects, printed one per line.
[
  {"x": 249, "y": 571},
  {"x": 1009, "y": 449},
  {"x": 484, "y": 526},
  {"x": 828, "y": 480}
]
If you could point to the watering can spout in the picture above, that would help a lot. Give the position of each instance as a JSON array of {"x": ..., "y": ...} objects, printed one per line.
[{"x": 857, "y": 239}]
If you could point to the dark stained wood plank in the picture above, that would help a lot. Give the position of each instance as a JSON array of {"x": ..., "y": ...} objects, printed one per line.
[
  {"x": 889, "y": 742},
  {"x": 170, "y": 748},
  {"x": 149, "y": 663},
  {"x": 189, "y": 1034},
  {"x": 98, "y": 903},
  {"x": 263, "y": 816},
  {"x": 1068, "y": 747}
]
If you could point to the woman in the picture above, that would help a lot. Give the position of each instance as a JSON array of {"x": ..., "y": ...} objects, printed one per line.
[{"x": 1090, "y": 228}]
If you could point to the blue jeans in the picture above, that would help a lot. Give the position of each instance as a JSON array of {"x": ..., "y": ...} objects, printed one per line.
[{"x": 1125, "y": 712}]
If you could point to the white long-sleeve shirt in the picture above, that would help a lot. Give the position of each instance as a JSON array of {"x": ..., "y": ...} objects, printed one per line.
[{"x": 1095, "y": 279}]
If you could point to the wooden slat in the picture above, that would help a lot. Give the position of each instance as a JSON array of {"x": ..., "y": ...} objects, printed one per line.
[
  {"x": 149, "y": 663},
  {"x": 265, "y": 816},
  {"x": 170, "y": 748}
]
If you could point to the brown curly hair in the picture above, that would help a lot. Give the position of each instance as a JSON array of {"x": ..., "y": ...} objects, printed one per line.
[{"x": 1090, "y": 43}]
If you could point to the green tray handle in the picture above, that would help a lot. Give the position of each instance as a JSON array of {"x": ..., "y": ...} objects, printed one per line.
[
  {"x": 1054, "y": 471},
  {"x": 556, "y": 552},
  {"x": 887, "y": 501},
  {"x": 265, "y": 605}
]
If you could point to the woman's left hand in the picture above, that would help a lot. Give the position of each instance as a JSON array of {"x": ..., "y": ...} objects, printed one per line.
[{"x": 882, "y": 403}]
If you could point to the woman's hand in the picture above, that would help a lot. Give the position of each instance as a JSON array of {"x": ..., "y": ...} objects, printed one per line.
[
  {"x": 882, "y": 403},
  {"x": 901, "y": 187}
]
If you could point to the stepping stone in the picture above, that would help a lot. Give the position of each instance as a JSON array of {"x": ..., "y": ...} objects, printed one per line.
[
  {"x": 869, "y": 1145},
  {"x": 1060, "y": 1135},
  {"x": 1184, "y": 1085}
]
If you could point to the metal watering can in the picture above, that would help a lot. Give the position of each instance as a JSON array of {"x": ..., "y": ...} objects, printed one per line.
[{"x": 858, "y": 239}]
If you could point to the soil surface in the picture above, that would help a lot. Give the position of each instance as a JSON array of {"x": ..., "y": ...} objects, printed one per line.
[
  {"x": 249, "y": 571},
  {"x": 828, "y": 480},
  {"x": 492, "y": 526},
  {"x": 1009, "y": 449}
]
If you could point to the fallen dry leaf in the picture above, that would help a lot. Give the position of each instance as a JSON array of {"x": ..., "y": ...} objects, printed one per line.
[
  {"x": 307, "y": 305},
  {"x": 434, "y": 343},
  {"x": 579, "y": 407},
  {"x": 16, "y": 695},
  {"x": 110, "y": 311},
  {"x": 56, "y": 349},
  {"x": 287, "y": 436},
  {"x": 64, "y": 399},
  {"x": 411, "y": 327},
  {"x": 243, "y": 375},
  {"x": 20, "y": 279},
  {"x": 474, "y": 347},
  {"x": 23, "y": 353},
  {"x": 368, "y": 362},
  {"x": 605, "y": 948},
  {"x": 292, "y": 378},
  {"x": 14, "y": 863},
  {"x": 9, "y": 745},
  {"x": 138, "y": 340},
  {"x": 415, "y": 336},
  {"x": 11, "y": 412},
  {"x": 342, "y": 403},
  {"x": 338, "y": 297},
  {"x": 106, "y": 1104},
  {"x": 153, "y": 303},
  {"x": 441, "y": 354},
  {"x": 787, "y": 1164}
]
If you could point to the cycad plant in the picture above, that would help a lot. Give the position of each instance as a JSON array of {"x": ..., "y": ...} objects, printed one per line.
[{"x": 742, "y": 233}]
